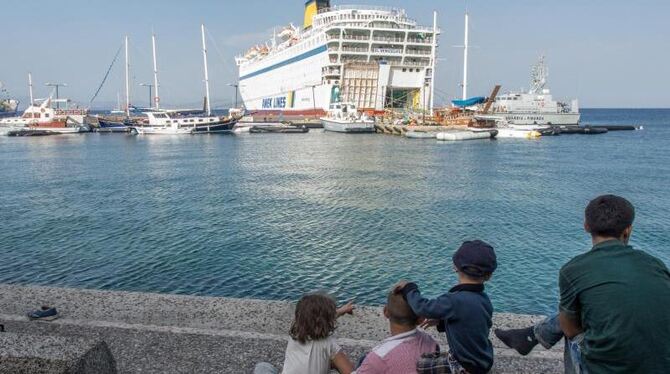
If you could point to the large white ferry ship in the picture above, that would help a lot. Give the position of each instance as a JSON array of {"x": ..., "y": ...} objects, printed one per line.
[
  {"x": 372, "y": 57},
  {"x": 537, "y": 106}
]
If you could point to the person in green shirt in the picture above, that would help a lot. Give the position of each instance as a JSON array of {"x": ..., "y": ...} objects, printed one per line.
[{"x": 614, "y": 302}]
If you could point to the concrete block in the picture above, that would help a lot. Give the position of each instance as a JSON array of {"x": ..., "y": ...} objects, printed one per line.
[{"x": 50, "y": 354}]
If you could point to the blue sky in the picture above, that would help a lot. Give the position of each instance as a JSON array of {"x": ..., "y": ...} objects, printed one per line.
[{"x": 608, "y": 53}]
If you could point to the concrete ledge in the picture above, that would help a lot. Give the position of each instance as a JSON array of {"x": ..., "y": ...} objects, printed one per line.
[
  {"x": 157, "y": 333},
  {"x": 22, "y": 353}
]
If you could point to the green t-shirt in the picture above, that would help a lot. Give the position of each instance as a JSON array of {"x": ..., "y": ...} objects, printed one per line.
[{"x": 622, "y": 298}]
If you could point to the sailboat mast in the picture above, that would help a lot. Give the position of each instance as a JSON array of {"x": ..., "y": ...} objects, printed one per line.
[
  {"x": 465, "y": 59},
  {"x": 204, "y": 57},
  {"x": 30, "y": 88},
  {"x": 434, "y": 58},
  {"x": 156, "y": 98},
  {"x": 127, "y": 80}
]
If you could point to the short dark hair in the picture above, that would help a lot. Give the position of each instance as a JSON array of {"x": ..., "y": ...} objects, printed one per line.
[
  {"x": 609, "y": 215},
  {"x": 399, "y": 310},
  {"x": 315, "y": 316}
]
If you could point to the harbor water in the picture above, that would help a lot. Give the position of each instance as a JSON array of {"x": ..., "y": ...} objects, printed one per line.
[{"x": 272, "y": 216}]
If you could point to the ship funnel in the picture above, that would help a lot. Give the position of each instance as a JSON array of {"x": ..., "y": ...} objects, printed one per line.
[{"x": 312, "y": 8}]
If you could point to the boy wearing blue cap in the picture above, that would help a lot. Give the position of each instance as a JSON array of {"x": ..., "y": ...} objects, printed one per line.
[{"x": 465, "y": 312}]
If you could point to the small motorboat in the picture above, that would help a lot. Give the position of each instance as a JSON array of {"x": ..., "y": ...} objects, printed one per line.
[
  {"x": 344, "y": 117},
  {"x": 509, "y": 132},
  {"x": 31, "y": 132},
  {"x": 105, "y": 125}
]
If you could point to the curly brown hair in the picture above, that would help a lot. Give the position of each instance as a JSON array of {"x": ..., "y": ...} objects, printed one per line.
[{"x": 315, "y": 316}]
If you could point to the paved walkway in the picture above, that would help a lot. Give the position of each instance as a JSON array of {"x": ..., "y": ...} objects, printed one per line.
[{"x": 158, "y": 333}]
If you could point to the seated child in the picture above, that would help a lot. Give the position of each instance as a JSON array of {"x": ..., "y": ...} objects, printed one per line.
[
  {"x": 465, "y": 312},
  {"x": 312, "y": 349},
  {"x": 399, "y": 353}
]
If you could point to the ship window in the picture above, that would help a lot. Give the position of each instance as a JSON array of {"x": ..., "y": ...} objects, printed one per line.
[
  {"x": 46, "y": 115},
  {"x": 404, "y": 70},
  {"x": 200, "y": 120}
]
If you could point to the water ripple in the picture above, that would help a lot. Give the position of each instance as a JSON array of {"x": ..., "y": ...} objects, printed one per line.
[{"x": 276, "y": 216}]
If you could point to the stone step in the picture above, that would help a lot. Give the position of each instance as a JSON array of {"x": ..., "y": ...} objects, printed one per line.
[
  {"x": 53, "y": 354},
  {"x": 158, "y": 333}
]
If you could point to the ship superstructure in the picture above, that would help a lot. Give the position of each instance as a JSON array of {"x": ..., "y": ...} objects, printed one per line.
[{"x": 372, "y": 57}]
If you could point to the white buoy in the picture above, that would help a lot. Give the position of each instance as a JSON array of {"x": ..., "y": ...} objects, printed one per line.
[
  {"x": 462, "y": 135},
  {"x": 420, "y": 134}
]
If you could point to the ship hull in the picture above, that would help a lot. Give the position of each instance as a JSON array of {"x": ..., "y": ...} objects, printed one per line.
[
  {"x": 216, "y": 128},
  {"x": 111, "y": 126},
  {"x": 149, "y": 130},
  {"x": 287, "y": 85},
  {"x": 59, "y": 130},
  {"x": 557, "y": 119}
]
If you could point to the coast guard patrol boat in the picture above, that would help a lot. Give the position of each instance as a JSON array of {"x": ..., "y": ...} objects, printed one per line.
[
  {"x": 371, "y": 57},
  {"x": 537, "y": 106}
]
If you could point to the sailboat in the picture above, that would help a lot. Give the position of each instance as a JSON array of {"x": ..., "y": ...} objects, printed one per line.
[{"x": 176, "y": 122}]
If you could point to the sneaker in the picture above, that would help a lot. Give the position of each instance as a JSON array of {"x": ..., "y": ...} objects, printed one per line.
[
  {"x": 522, "y": 340},
  {"x": 45, "y": 313}
]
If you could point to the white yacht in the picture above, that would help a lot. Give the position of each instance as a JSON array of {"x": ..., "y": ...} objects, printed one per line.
[
  {"x": 537, "y": 106},
  {"x": 344, "y": 117}
]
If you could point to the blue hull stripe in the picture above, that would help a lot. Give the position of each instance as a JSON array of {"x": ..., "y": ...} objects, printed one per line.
[{"x": 297, "y": 58}]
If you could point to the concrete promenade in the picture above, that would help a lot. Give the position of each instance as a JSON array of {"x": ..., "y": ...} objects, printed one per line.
[{"x": 161, "y": 333}]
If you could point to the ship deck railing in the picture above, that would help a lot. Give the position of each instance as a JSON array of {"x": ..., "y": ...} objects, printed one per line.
[
  {"x": 409, "y": 27},
  {"x": 333, "y": 8}
]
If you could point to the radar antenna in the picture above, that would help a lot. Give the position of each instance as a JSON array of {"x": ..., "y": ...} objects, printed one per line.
[{"x": 538, "y": 78}]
